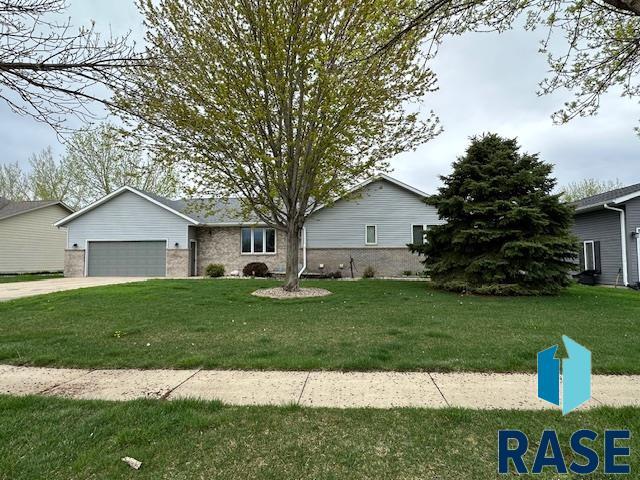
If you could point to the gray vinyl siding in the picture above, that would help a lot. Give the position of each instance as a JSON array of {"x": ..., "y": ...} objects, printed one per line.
[
  {"x": 603, "y": 226},
  {"x": 391, "y": 208},
  {"x": 128, "y": 217},
  {"x": 30, "y": 243},
  {"x": 632, "y": 208}
]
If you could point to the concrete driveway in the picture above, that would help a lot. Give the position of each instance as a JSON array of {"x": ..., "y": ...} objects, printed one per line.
[{"x": 11, "y": 291}]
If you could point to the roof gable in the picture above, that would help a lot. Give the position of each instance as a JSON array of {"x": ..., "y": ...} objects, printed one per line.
[
  {"x": 162, "y": 202},
  {"x": 373, "y": 179},
  {"x": 10, "y": 208}
]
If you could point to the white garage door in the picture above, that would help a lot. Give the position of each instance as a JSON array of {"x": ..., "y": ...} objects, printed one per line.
[{"x": 127, "y": 259}]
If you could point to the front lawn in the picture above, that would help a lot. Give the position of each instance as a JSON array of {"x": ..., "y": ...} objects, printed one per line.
[
  {"x": 59, "y": 439},
  {"x": 28, "y": 277},
  {"x": 366, "y": 325}
]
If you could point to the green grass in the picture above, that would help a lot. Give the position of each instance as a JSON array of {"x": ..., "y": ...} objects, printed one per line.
[
  {"x": 366, "y": 325},
  {"x": 28, "y": 277},
  {"x": 60, "y": 439}
]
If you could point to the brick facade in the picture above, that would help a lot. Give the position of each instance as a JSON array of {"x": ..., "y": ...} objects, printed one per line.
[
  {"x": 74, "y": 263},
  {"x": 222, "y": 245},
  {"x": 386, "y": 262},
  {"x": 177, "y": 263}
]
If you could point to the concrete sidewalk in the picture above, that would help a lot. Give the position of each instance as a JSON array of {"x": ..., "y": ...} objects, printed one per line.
[{"x": 312, "y": 389}]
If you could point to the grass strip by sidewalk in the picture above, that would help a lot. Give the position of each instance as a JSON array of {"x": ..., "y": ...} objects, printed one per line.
[
  {"x": 365, "y": 325},
  {"x": 59, "y": 439},
  {"x": 28, "y": 277}
]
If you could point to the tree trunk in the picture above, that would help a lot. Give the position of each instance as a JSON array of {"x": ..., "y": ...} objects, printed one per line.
[{"x": 292, "y": 283}]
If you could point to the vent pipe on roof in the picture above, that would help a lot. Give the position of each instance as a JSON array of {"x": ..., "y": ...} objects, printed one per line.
[{"x": 623, "y": 233}]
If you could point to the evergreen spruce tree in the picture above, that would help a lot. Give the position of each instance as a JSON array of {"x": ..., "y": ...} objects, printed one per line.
[{"x": 506, "y": 233}]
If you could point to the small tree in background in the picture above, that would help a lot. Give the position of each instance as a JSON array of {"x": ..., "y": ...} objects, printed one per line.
[
  {"x": 96, "y": 162},
  {"x": 51, "y": 180},
  {"x": 506, "y": 233},
  {"x": 588, "y": 187},
  {"x": 14, "y": 184},
  {"x": 99, "y": 162}
]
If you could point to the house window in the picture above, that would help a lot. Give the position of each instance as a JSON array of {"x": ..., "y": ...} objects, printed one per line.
[
  {"x": 258, "y": 240},
  {"x": 589, "y": 255},
  {"x": 419, "y": 234},
  {"x": 246, "y": 240},
  {"x": 371, "y": 235}
]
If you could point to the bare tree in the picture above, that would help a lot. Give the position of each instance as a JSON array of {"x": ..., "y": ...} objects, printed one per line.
[{"x": 48, "y": 69}]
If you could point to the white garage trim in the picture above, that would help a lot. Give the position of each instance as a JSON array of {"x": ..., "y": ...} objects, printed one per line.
[{"x": 88, "y": 241}]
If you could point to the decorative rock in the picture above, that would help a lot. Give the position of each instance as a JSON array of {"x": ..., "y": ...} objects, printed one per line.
[
  {"x": 132, "y": 462},
  {"x": 280, "y": 294}
]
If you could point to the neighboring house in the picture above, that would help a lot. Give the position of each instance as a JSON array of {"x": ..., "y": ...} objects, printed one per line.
[
  {"x": 134, "y": 233},
  {"x": 608, "y": 226},
  {"x": 28, "y": 240}
]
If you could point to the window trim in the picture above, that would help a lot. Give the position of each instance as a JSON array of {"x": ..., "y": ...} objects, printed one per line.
[
  {"x": 264, "y": 241},
  {"x": 424, "y": 235},
  {"x": 593, "y": 254},
  {"x": 375, "y": 227}
]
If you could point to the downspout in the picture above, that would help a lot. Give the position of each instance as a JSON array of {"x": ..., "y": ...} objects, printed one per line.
[
  {"x": 623, "y": 233},
  {"x": 304, "y": 252}
]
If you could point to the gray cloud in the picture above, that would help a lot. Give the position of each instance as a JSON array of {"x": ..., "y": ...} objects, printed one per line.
[{"x": 488, "y": 83}]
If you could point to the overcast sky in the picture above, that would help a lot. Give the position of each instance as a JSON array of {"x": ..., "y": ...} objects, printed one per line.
[{"x": 487, "y": 83}]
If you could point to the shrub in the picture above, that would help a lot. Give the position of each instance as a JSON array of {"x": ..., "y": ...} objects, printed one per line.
[
  {"x": 256, "y": 269},
  {"x": 369, "y": 272},
  {"x": 407, "y": 273},
  {"x": 214, "y": 270},
  {"x": 329, "y": 275}
]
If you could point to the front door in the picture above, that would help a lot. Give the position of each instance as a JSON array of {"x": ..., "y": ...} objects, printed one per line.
[{"x": 193, "y": 253}]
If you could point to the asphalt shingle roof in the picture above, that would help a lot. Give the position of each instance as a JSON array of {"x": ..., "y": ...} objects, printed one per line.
[
  {"x": 207, "y": 210},
  {"x": 214, "y": 210},
  {"x": 605, "y": 197},
  {"x": 10, "y": 208}
]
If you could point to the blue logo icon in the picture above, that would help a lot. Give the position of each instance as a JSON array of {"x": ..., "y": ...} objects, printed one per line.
[{"x": 576, "y": 376}]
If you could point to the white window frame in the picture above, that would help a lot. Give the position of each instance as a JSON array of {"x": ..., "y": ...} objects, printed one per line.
[
  {"x": 375, "y": 229},
  {"x": 424, "y": 235},
  {"x": 593, "y": 254},
  {"x": 264, "y": 241}
]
